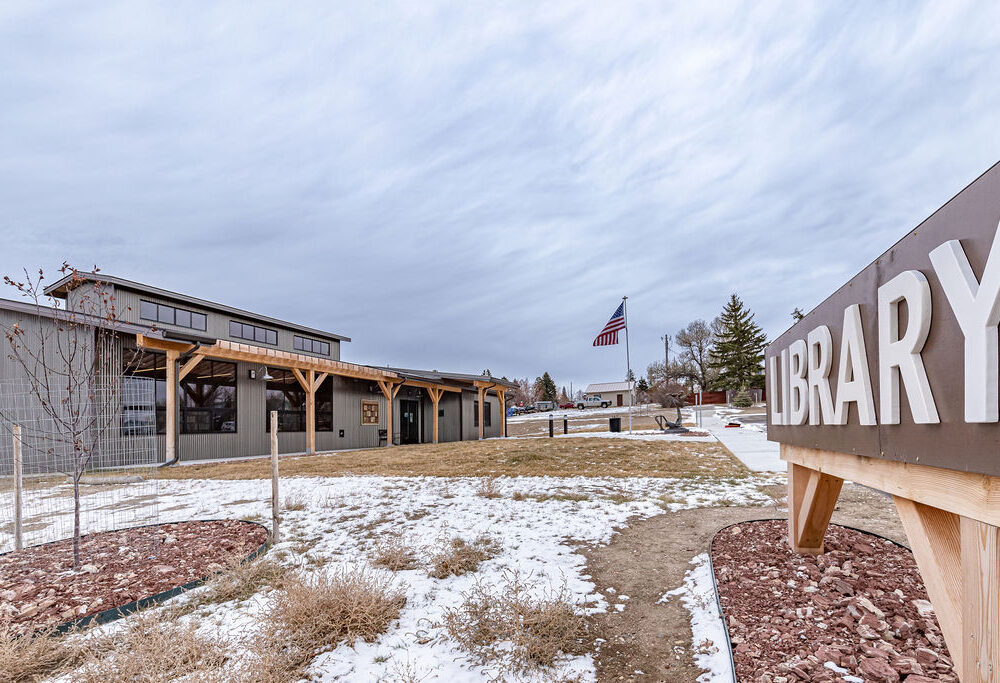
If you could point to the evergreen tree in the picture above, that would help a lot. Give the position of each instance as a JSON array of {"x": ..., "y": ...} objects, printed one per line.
[
  {"x": 545, "y": 388},
  {"x": 642, "y": 384},
  {"x": 738, "y": 349}
]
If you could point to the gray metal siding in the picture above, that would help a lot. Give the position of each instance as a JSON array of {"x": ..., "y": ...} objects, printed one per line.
[{"x": 217, "y": 324}]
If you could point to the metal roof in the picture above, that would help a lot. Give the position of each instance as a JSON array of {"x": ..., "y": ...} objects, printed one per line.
[
  {"x": 61, "y": 287},
  {"x": 608, "y": 386},
  {"x": 437, "y": 376}
]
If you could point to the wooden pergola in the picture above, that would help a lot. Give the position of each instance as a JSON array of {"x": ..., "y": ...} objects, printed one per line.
[{"x": 310, "y": 372}]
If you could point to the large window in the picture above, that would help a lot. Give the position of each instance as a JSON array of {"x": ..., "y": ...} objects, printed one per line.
[
  {"x": 311, "y": 345},
  {"x": 253, "y": 333},
  {"x": 208, "y": 398},
  {"x": 286, "y": 395},
  {"x": 487, "y": 414},
  {"x": 171, "y": 315}
]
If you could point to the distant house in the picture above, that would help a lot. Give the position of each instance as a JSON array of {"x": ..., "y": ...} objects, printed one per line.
[{"x": 617, "y": 392}]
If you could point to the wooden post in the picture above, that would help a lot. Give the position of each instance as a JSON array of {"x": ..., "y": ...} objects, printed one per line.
[
  {"x": 812, "y": 497},
  {"x": 18, "y": 489},
  {"x": 435, "y": 394},
  {"x": 171, "y": 429},
  {"x": 275, "y": 516},
  {"x": 981, "y": 601},
  {"x": 389, "y": 390},
  {"x": 311, "y": 411}
]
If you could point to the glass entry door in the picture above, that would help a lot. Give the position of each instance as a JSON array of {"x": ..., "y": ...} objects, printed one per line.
[{"x": 409, "y": 421}]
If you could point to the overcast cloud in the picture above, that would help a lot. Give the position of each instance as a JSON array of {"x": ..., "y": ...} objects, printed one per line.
[{"x": 469, "y": 185}]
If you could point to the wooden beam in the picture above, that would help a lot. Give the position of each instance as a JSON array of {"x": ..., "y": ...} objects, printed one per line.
[
  {"x": 319, "y": 380},
  {"x": 171, "y": 429},
  {"x": 970, "y": 495},
  {"x": 980, "y": 602},
  {"x": 935, "y": 540},
  {"x": 190, "y": 365},
  {"x": 812, "y": 496},
  {"x": 301, "y": 380},
  {"x": 145, "y": 342},
  {"x": 389, "y": 390},
  {"x": 428, "y": 385}
]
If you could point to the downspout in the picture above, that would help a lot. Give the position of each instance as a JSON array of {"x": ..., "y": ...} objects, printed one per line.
[{"x": 177, "y": 393}]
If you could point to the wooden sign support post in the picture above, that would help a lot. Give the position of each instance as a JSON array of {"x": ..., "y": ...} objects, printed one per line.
[
  {"x": 275, "y": 515},
  {"x": 952, "y": 520}
]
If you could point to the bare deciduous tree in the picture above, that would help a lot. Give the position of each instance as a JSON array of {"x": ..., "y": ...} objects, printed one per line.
[
  {"x": 60, "y": 354},
  {"x": 696, "y": 341}
]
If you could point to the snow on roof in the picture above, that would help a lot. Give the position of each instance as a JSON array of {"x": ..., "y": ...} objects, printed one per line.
[{"x": 607, "y": 386}]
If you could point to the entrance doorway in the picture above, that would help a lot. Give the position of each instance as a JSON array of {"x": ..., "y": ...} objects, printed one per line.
[
  {"x": 409, "y": 425},
  {"x": 621, "y": 401}
]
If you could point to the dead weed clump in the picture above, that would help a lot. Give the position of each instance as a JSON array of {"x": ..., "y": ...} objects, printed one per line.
[
  {"x": 459, "y": 556},
  {"x": 149, "y": 647},
  {"x": 394, "y": 555},
  {"x": 294, "y": 503},
  {"x": 32, "y": 657},
  {"x": 506, "y": 626},
  {"x": 318, "y": 612},
  {"x": 241, "y": 580},
  {"x": 489, "y": 489}
]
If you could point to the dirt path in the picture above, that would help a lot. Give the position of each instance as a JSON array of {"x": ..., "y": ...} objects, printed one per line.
[{"x": 652, "y": 642}]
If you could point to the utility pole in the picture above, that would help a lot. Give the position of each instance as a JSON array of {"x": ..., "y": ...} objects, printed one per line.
[{"x": 666, "y": 351}]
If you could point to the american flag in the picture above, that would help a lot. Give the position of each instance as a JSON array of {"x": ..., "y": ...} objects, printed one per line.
[{"x": 609, "y": 335}]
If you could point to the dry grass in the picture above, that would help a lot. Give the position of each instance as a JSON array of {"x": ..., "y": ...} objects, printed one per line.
[
  {"x": 317, "y": 613},
  {"x": 505, "y": 626},
  {"x": 32, "y": 657},
  {"x": 496, "y": 458},
  {"x": 458, "y": 556},
  {"x": 150, "y": 647},
  {"x": 394, "y": 555},
  {"x": 293, "y": 503},
  {"x": 242, "y": 580},
  {"x": 489, "y": 489}
]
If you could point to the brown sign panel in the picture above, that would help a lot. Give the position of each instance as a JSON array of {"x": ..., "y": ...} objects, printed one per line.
[{"x": 915, "y": 333}]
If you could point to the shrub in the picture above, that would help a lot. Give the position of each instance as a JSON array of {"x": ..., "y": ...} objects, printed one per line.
[
  {"x": 460, "y": 557},
  {"x": 241, "y": 580},
  {"x": 503, "y": 625},
  {"x": 394, "y": 555},
  {"x": 742, "y": 399},
  {"x": 33, "y": 656}
]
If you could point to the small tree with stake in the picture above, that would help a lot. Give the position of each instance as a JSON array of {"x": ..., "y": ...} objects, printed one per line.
[{"x": 62, "y": 361}]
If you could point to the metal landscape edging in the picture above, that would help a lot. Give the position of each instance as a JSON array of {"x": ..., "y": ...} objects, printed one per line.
[
  {"x": 715, "y": 584},
  {"x": 114, "y": 613}
]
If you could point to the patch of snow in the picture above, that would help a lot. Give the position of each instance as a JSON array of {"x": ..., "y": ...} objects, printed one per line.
[{"x": 710, "y": 646}]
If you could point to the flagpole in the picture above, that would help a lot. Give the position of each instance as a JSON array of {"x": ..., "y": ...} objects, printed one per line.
[{"x": 628, "y": 364}]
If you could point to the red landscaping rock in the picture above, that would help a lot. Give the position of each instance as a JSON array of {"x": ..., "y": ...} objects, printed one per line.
[
  {"x": 38, "y": 587},
  {"x": 861, "y": 606}
]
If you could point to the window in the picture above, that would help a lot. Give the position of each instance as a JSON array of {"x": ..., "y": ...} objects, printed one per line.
[
  {"x": 252, "y": 333},
  {"x": 170, "y": 315},
  {"x": 286, "y": 395},
  {"x": 487, "y": 416},
  {"x": 369, "y": 412},
  {"x": 207, "y": 399},
  {"x": 312, "y": 345}
]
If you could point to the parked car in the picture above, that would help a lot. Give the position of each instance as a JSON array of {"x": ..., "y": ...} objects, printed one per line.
[
  {"x": 545, "y": 405},
  {"x": 593, "y": 402},
  {"x": 568, "y": 404}
]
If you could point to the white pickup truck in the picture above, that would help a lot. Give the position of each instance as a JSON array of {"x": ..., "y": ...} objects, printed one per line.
[{"x": 593, "y": 402}]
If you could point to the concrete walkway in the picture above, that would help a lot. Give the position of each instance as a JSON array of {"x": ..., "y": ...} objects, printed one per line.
[{"x": 748, "y": 443}]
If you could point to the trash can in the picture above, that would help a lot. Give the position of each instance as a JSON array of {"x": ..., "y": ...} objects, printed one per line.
[{"x": 616, "y": 424}]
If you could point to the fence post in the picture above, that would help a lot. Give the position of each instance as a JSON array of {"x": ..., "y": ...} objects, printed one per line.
[
  {"x": 274, "y": 476},
  {"x": 18, "y": 488}
]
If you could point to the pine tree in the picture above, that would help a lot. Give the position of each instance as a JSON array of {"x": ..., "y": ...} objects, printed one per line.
[
  {"x": 738, "y": 349},
  {"x": 545, "y": 388}
]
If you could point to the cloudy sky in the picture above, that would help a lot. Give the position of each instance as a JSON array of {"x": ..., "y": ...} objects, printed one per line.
[{"x": 471, "y": 185}]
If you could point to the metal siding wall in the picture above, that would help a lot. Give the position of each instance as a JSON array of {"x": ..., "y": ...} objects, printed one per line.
[{"x": 217, "y": 323}]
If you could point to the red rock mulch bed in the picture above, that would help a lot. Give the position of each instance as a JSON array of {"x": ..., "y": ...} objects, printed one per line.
[
  {"x": 858, "y": 612},
  {"x": 38, "y": 587}
]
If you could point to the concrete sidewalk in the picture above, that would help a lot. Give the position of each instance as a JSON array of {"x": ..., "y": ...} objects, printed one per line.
[{"x": 748, "y": 443}]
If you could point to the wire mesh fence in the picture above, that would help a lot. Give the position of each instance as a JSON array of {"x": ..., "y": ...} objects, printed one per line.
[{"x": 56, "y": 449}]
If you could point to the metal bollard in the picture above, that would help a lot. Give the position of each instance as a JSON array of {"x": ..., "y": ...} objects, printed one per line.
[
  {"x": 565, "y": 425},
  {"x": 552, "y": 431}
]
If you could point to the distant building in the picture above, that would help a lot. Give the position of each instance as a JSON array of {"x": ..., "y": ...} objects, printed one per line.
[{"x": 617, "y": 392}]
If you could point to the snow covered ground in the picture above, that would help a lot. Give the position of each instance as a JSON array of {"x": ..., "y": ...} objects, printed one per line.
[
  {"x": 345, "y": 517},
  {"x": 748, "y": 443}
]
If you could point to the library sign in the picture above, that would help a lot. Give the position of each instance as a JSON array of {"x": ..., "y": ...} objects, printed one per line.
[{"x": 902, "y": 362}]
